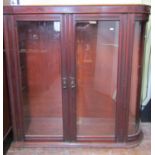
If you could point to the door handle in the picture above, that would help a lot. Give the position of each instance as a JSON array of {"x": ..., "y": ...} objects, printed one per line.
[
  {"x": 72, "y": 82},
  {"x": 64, "y": 82}
]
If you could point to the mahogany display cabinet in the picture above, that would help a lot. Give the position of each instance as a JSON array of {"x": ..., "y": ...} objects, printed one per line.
[{"x": 74, "y": 74}]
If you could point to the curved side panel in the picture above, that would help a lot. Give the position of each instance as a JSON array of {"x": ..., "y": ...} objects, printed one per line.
[{"x": 136, "y": 75}]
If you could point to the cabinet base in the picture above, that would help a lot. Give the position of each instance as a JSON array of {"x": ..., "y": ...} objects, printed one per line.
[{"x": 133, "y": 142}]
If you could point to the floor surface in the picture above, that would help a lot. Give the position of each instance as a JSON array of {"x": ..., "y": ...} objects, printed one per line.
[{"x": 143, "y": 149}]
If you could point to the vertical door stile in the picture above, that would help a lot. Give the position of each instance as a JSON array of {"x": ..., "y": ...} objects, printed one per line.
[
  {"x": 20, "y": 100},
  {"x": 71, "y": 77},
  {"x": 69, "y": 74},
  {"x": 125, "y": 58},
  {"x": 65, "y": 61},
  {"x": 121, "y": 67}
]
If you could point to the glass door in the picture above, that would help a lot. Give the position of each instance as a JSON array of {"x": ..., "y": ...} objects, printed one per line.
[
  {"x": 96, "y": 76},
  {"x": 40, "y": 68}
]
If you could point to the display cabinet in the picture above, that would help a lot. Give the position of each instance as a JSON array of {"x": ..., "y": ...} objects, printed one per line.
[{"x": 74, "y": 73}]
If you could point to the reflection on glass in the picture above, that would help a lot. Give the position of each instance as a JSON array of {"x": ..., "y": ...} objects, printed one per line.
[
  {"x": 135, "y": 79},
  {"x": 96, "y": 64},
  {"x": 41, "y": 79}
]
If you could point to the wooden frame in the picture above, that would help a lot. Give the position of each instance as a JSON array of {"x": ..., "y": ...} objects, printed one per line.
[
  {"x": 77, "y": 9},
  {"x": 68, "y": 15}
]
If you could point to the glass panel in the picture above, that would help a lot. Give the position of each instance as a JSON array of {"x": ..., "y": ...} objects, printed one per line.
[
  {"x": 39, "y": 45},
  {"x": 96, "y": 64},
  {"x": 135, "y": 81}
]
